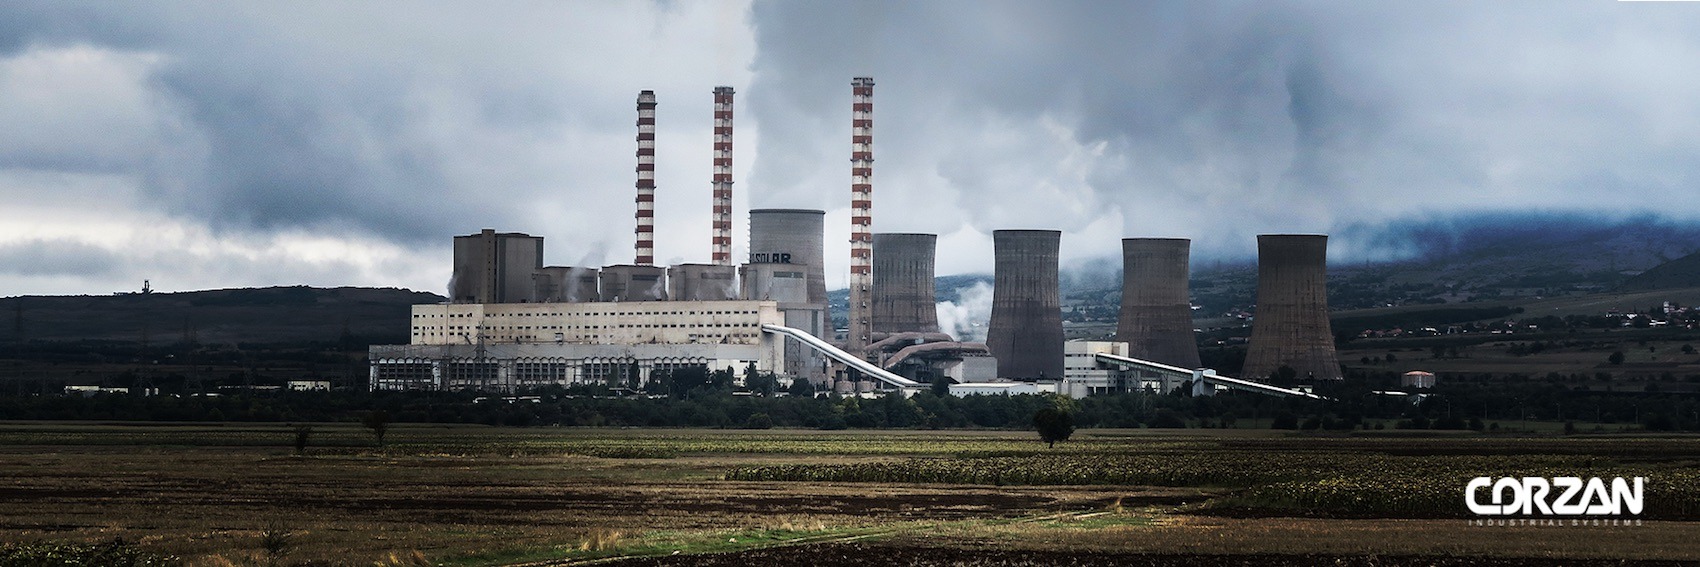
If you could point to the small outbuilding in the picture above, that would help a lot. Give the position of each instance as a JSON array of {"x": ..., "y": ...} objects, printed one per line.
[{"x": 1417, "y": 379}]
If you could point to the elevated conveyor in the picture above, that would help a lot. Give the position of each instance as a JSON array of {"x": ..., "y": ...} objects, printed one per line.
[
  {"x": 1203, "y": 377},
  {"x": 845, "y": 358}
]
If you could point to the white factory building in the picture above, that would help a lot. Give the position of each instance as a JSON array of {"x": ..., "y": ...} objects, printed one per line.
[{"x": 513, "y": 346}]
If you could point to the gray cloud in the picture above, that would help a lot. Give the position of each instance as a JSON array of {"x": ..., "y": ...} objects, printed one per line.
[
  {"x": 395, "y": 125},
  {"x": 1219, "y": 120},
  {"x": 56, "y": 257}
]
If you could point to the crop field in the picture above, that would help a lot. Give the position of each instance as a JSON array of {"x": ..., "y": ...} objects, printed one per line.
[{"x": 215, "y": 495}]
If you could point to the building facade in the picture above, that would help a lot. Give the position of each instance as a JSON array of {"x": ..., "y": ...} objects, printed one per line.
[{"x": 508, "y": 347}]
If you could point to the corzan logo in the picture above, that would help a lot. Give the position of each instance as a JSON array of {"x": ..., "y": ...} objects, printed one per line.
[{"x": 1561, "y": 496}]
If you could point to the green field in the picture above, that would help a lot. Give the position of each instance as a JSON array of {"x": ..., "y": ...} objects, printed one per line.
[{"x": 211, "y": 494}]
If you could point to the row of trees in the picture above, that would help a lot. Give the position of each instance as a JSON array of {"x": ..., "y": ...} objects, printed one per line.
[{"x": 711, "y": 400}]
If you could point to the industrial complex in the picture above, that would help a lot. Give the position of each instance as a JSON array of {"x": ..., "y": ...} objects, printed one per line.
[{"x": 513, "y": 323}]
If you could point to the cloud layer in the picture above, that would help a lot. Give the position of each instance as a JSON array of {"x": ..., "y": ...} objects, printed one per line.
[{"x": 214, "y": 144}]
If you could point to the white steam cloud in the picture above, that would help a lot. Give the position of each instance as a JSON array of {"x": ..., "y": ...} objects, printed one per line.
[{"x": 966, "y": 318}]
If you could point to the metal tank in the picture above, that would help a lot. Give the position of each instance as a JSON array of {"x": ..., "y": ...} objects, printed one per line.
[
  {"x": 1025, "y": 333},
  {"x": 1291, "y": 325},
  {"x": 1156, "y": 312},
  {"x": 633, "y": 283},
  {"x": 792, "y": 236},
  {"x": 903, "y": 283},
  {"x": 702, "y": 282}
]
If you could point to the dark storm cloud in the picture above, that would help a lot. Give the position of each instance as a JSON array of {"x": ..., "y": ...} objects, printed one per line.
[
  {"x": 1223, "y": 119},
  {"x": 329, "y": 130},
  {"x": 405, "y": 120}
]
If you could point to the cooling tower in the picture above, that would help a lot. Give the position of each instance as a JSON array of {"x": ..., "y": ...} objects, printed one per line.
[
  {"x": 784, "y": 283},
  {"x": 1291, "y": 325},
  {"x": 634, "y": 283},
  {"x": 791, "y": 236},
  {"x": 1156, "y": 316},
  {"x": 903, "y": 284},
  {"x": 1026, "y": 328},
  {"x": 702, "y": 282},
  {"x": 564, "y": 284}
]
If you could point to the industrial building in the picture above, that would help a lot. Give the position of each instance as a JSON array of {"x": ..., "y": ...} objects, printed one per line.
[
  {"x": 492, "y": 267},
  {"x": 1291, "y": 325},
  {"x": 518, "y": 345},
  {"x": 616, "y": 325}
]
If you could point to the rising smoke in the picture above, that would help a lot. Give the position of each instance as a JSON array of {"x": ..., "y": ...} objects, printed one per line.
[{"x": 966, "y": 317}]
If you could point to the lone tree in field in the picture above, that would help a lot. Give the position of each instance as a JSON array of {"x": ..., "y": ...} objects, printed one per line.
[
  {"x": 379, "y": 422},
  {"x": 303, "y": 433},
  {"x": 1054, "y": 425}
]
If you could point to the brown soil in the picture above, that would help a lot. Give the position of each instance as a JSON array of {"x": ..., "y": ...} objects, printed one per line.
[{"x": 835, "y": 555}]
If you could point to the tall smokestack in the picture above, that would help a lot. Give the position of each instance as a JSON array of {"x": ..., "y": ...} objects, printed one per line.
[
  {"x": 646, "y": 179},
  {"x": 903, "y": 284},
  {"x": 1291, "y": 328},
  {"x": 1025, "y": 333},
  {"x": 1156, "y": 317},
  {"x": 722, "y": 240},
  {"x": 861, "y": 210}
]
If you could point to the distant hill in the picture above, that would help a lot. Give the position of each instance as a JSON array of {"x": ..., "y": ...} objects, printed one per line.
[
  {"x": 252, "y": 315},
  {"x": 1679, "y": 273}
]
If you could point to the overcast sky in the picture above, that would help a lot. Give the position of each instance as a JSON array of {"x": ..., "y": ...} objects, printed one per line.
[{"x": 234, "y": 144}]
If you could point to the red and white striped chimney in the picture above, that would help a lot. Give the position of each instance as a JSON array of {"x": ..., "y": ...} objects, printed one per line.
[
  {"x": 722, "y": 240},
  {"x": 861, "y": 210},
  {"x": 646, "y": 179}
]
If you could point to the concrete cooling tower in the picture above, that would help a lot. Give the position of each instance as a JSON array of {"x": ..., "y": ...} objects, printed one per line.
[
  {"x": 1156, "y": 315},
  {"x": 1291, "y": 327},
  {"x": 792, "y": 236},
  {"x": 1025, "y": 333},
  {"x": 903, "y": 284}
]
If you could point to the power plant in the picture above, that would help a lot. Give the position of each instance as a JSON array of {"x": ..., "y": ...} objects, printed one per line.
[
  {"x": 1156, "y": 314},
  {"x": 513, "y": 323},
  {"x": 1291, "y": 325},
  {"x": 903, "y": 284},
  {"x": 1025, "y": 333}
]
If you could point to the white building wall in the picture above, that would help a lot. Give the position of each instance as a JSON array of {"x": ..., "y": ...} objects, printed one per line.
[
  {"x": 620, "y": 323},
  {"x": 510, "y": 367}
]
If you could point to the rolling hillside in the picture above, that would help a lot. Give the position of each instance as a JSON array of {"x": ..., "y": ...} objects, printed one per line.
[{"x": 257, "y": 315}]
